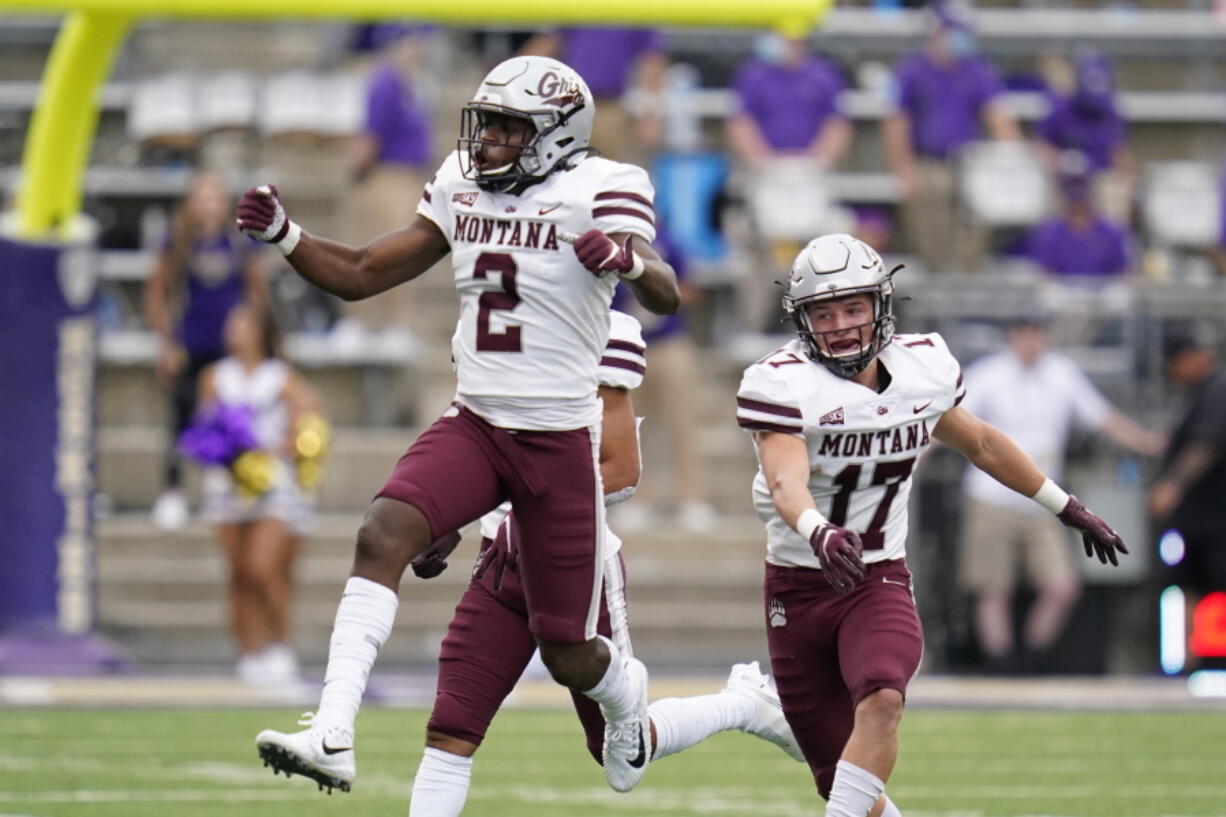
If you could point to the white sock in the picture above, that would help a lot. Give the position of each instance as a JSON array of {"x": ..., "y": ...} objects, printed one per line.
[
  {"x": 890, "y": 810},
  {"x": 682, "y": 722},
  {"x": 363, "y": 622},
  {"x": 441, "y": 785},
  {"x": 618, "y": 698},
  {"x": 854, "y": 793}
]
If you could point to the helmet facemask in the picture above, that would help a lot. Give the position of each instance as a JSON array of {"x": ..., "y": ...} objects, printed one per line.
[
  {"x": 830, "y": 268},
  {"x": 475, "y": 121},
  {"x": 819, "y": 345},
  {"x": 527, "y": 168}
]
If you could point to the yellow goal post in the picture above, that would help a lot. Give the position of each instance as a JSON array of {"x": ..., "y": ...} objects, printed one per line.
[{"x": 66, "y": 115}]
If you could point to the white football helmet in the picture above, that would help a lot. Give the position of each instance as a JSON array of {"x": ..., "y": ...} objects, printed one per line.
[
  {"x": 835, "y": 266},
  {"x": 547, "y": 93}
]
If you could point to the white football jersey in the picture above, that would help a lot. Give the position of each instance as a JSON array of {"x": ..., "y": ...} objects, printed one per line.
[
  {"x": 862, "y": 444},
  {"x": 262, "y": 389},
  {"x": 533, "y": 321},
  {"x": 622, "y": 367}
]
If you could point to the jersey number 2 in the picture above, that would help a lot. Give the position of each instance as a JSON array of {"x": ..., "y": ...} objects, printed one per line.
[
  {"x": 506, "y": 300},
  {"x": 889, "y": 474}
]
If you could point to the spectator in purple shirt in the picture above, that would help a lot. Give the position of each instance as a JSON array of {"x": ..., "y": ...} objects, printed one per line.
[
  {"x": 946, "y": 97},
  {"x": 1081, "y": 242},
  {"x": 787, "y": 126},
  {"x": 624, "y": 68},
  {"x": 787, "y": 102},
  {"x": 394, "y": 159},
  {"x": 204, "y": 270},
  {"x": 1088, "y": 120}
]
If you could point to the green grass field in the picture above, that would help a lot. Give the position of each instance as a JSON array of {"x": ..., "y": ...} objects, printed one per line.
[{"x": 121, "y": 763}]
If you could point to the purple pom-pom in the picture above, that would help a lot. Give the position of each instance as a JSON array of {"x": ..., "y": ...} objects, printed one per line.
[{"x": 219, "y": 433}]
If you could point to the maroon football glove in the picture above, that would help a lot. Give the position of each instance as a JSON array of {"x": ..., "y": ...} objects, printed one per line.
[
  {"x": 1097, "y": 536},
  {"x": 601, "y": 254},
  {"x": 261, "y": 216},
  {"x": 433, "y": 560},
  {"x": 498, "y": 555},
  {"x": 840, "y": 550}
]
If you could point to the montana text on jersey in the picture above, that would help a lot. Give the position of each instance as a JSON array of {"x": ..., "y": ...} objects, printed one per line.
[{"x": 848, "y": 431}]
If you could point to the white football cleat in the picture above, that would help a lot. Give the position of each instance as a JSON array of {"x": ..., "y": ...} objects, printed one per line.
[
  {"x": 768, "y": 721},
  {"x": 627, "y": 745},
  {"x": 322, "y": 753}
]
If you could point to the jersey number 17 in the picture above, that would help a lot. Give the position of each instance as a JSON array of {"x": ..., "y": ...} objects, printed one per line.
[{"x": 889, "y": 474}]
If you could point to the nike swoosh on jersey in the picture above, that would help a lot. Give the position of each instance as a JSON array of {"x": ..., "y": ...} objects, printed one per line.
[
  {"x": 329, "y": 750},
  {"x": 918, "y": 409},
  {"x": 887, "y": 580},
  {"x": 641, "y": 758},
  {"x": 547, "y": 210}
]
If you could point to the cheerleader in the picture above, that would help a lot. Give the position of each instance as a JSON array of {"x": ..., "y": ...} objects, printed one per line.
[{"x": 260, "y": 498}]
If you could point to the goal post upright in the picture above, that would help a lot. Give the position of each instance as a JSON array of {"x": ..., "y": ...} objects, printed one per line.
[{"x": 64, "y": 121}]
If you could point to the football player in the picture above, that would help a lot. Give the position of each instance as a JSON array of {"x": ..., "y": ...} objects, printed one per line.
[
  {"x": 488, "y": 643},
  {"x": 525, "y": 424},
  {"x": 839, "y": 417}
]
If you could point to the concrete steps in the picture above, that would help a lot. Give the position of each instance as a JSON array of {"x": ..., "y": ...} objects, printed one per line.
[
  {"x": 130, "y": 466},
  {"x": 162, "y": 596},
  {"x": 129, "y": 394},
  {"x": 130, "y": 470}
]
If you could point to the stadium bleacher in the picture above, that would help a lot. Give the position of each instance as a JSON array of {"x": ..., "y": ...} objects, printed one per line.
[{"x": 161, "y": 596}]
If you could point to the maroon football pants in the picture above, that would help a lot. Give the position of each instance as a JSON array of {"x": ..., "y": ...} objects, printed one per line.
[
  {"x": 463, "y": 467},
  {"x": 487, "y": 647},
  {"x": 830, "y": 651}
]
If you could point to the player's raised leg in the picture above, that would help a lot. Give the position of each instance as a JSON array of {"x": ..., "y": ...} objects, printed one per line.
[
  {"x": 441, "y": 483},
  {"x": 563, "y": 543},
  {"x": 390, "y": 535},
  {"x": 748, "y": 702}
]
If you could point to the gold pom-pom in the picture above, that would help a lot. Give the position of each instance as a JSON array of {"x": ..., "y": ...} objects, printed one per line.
[
  {"x": 313, "y": 436},
  {"x": 254, "y": 472}
]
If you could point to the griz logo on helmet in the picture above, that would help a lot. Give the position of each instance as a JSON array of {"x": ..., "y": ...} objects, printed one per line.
[{"x": 558, "y": 91}]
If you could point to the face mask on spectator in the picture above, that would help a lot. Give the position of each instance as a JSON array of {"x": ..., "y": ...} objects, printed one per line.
[
  {"x": 771, "y": 48},
  {"x": 961, "y": 42}
]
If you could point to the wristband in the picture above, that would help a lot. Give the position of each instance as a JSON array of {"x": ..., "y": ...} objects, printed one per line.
[
  {"x": 809, "y": 521},
  {"x": 617, "y": 497},
  {"x": 636, "y": 268},
  {"x": 292, "y": 234},
  {"x": 1051, "y": 496}
]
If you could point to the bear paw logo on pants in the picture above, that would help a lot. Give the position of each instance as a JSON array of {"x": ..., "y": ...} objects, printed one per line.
[{"x": 776, "y": 612}]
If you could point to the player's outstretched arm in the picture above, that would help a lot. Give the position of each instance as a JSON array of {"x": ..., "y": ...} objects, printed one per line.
[
  {"x": 652, "y": 279},
  {"x": 994, "y": 453},
  {"x": 351, "y": 273}
]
